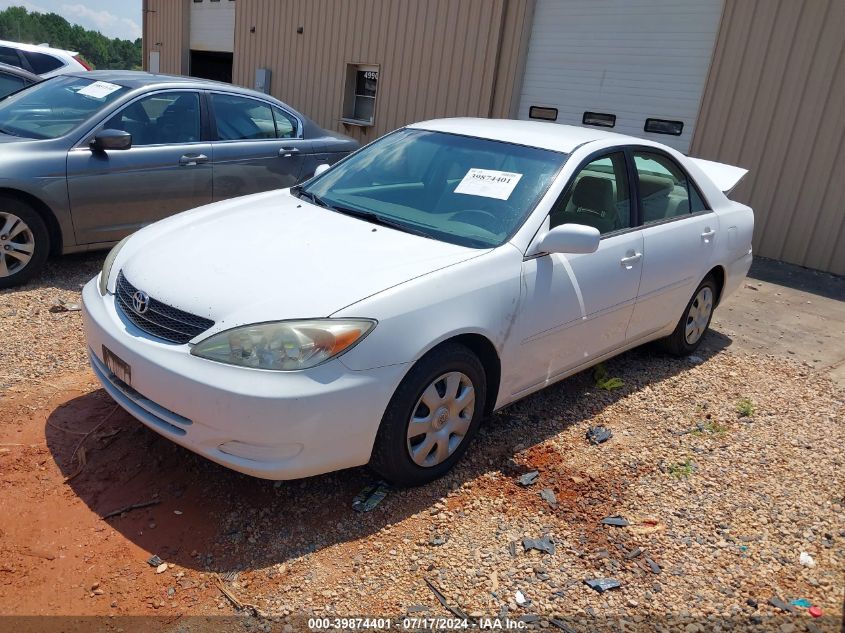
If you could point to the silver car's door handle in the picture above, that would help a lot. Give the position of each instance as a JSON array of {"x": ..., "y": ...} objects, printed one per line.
[
  {"x": 708, "y": 233},
  {"x": 629, "y": 261},
  {"x": 287, "y": 152},
  {"x": 191, "y": 160}
]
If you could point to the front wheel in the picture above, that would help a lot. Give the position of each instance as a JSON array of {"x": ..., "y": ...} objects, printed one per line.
[
  {"x": 431, "y": 418},
  {"x": 694, "y": 321},
  {"x": 24, "y": 242}
]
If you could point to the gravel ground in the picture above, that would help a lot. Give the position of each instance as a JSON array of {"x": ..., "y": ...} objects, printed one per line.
[
  {"x": 720, "y": 503},
  {"x": 37, "y": 343}
]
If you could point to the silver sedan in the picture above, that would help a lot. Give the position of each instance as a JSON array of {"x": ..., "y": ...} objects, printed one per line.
[{"x": 88, "y": 158}]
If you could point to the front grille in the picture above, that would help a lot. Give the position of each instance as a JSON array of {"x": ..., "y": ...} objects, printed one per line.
[{"x": 163, "y": 321}]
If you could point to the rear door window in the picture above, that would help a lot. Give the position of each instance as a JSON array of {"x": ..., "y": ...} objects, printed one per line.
[
  {"x": 9, "y": 56},
  {"x": 241, "y": 118},
  {"x": 666, "y": 191}
]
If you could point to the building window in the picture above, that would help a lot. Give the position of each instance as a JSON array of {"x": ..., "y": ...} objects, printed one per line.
[{"x": 359, "y": 104}]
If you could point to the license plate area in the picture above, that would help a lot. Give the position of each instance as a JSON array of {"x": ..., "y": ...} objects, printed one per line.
[{"x": 119, "y": 367}]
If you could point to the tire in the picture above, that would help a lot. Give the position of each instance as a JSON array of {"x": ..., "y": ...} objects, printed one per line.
[
  {"x": 684, "y": 341},
  {"x": 24, "y": 242},
  {"x": 447, "y": 369}
]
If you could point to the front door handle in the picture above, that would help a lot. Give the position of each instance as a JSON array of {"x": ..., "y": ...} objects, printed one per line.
[
  {"x": 192, "y": 160},
  {"x": 287, "y": 152},
  {"x": 631, "y": 259},
  {"x": 708, "y": 234}
]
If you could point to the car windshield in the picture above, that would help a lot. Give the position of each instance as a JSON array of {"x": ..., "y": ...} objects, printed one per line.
[
  {"x": 459, "y": 189},
  {"x": 54, "y": 107}
]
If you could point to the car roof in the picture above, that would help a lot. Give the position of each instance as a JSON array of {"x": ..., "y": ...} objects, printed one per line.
[
  {"x": 139, "y": 79},
  {"x": 36, "y": 48},
  {"x": 553, "y": 136}
]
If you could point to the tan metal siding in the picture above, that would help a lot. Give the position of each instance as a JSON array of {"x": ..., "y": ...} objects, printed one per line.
[
  {"x": 166, "y": 29},
  {"x": 437, "y": 58},
  {"x": 774, "y": 103}
]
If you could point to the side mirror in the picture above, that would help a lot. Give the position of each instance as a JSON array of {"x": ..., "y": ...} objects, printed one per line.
[
  {"x": 321, "y": 169},
  {"x": 570, "y": 238},
  {"x": 110, "y": 140}
]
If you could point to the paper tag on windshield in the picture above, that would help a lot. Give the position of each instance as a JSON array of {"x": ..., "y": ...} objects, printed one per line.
[
  {"x": 488, "y": 183},
  {"x": 98, "y": 89}
]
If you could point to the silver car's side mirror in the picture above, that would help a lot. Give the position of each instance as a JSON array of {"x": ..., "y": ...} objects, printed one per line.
[
  {"x": 321, "y": 169},
  {"x": 106, "y": 140},
  {"x": 570, "y": 238}
]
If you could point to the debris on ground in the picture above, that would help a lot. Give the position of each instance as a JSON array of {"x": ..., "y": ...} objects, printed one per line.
[
  {"x": 437, "y": 540},
  {"x": 654, "y": 567},
  {"x": 134, "y": 506},
  {"x": 544, "y": 544},
  {"x": 548, "y": 495},
  {"x": 161, "y": 568},
  {"x": 456, "y": 611},
  {"x": 61, "y": 306},
  {"x": 512, "y": 549},
  {"x": 563, "y": 626},
  {"x": 236, "y": 602},
  {"x": 801, "y": 602},
  {"x": 520, "y": 598},
  {"x": 602, "y": 584},
  {"x": 815, "y": 611},
  {"x": 605, "y": 381},
  {"x": 633, "y": 553},
  {"x": 777, "y": 603},
  {"x": 154, "y": 561},
  {"x": 615, "y": 521},
  {"x": 806, "y": 560},
  {"x": 372, "y": 495},
  {"x": 598, "y": 434},
  {"x": 528, "y": 478}
]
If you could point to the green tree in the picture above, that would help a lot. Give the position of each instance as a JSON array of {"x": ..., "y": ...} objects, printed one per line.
[{"x": 19, "y": 25}]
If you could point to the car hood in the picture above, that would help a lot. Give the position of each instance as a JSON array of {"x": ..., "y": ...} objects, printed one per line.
[{"x": 272, "y": 256}]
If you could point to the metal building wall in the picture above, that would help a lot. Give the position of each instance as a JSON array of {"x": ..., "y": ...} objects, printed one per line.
[
  {"x": 775, "y": 104},
  {"x": 437, "y": 58},
  {"x": 166, "y": 29}
]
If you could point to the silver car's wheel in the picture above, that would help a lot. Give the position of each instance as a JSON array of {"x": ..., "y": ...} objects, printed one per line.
[
  {"x": 17, "y": 244},
  {"x": 698, "y": 315},
  {"x": 441, "y": 419}
]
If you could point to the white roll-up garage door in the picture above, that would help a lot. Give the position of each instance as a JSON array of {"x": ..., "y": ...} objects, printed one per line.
[
  {"x": 213, "y": 25},
  {"x": 629, "y": 59}
]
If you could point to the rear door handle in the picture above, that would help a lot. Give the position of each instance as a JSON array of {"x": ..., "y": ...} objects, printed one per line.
[
  {"x": 629, "y": 261},
  {"x": 192, "y": 160},
  {"x": 708, "y": 233},
  {"x": 287, "y": 152}
]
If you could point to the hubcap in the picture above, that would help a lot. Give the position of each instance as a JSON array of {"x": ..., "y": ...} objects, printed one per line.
[
  {"x": 699, "y": 315},
  {"x": 441, "y": 418},
  {"x": 17, "y": 244}
]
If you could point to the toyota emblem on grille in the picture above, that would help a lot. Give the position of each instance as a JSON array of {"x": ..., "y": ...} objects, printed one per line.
[{"x": 140, "y": 302}]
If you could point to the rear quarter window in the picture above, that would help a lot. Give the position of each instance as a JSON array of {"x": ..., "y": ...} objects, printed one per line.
[{"x": 42, "y": 63}]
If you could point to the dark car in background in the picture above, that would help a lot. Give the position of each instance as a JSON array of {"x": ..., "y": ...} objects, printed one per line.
[
  {"x": 88, "y": 158},
  {"x": 13, "y": 79}
]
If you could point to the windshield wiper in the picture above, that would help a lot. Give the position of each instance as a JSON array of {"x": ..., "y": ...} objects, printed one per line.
[
  {"x": 300, "y": 193},
  {"x": 8, "y": 132},
  {"x": 375, "y": 218}
]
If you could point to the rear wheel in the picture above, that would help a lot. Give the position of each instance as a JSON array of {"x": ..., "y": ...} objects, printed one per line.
[
  {"x": 24, "y": 242},
  {"x": 431, "y": 418},
  {"x": 694, "y": 321}
]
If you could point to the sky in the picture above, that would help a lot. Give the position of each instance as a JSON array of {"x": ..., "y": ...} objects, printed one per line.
[{"x": 112, "y": 18}]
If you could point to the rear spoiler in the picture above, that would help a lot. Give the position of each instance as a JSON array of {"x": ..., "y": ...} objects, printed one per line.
[{"x": 725, "y": 177}]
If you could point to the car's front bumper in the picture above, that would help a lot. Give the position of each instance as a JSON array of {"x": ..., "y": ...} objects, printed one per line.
[{"x": 275, "y": 425}]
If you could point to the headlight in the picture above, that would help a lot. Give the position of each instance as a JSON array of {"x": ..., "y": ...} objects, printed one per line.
[
  {"x": 284, "y": 345},
  {"x": 104, "y": 275}
]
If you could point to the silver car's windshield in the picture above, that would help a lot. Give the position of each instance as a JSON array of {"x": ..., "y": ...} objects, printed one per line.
[
  {"x": 55, "y": 107},
  {"x": 465, "y": 190}
]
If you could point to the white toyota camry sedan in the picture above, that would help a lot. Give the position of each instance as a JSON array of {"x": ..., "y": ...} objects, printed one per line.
[{"x": 377, "y": 313}]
